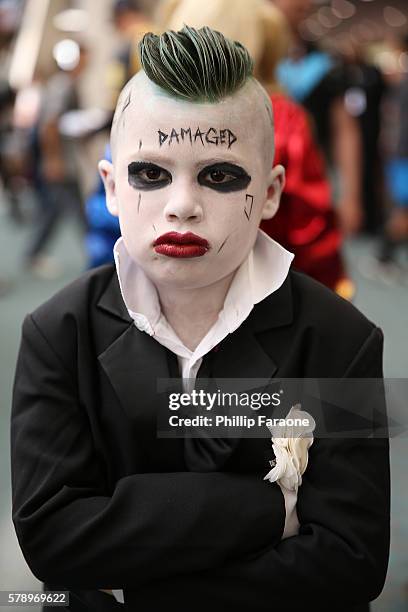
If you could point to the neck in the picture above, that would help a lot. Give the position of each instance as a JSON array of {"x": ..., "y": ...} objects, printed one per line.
[{"x": 192, "y": 312}]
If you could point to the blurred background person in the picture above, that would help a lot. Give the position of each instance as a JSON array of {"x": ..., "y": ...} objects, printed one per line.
[
  {"x": 313, "y": 78},
  {"x": 7, "y": 167},
  {"x": 131, "y": 23},
  {"x": 6, "y": 100},
  {"x": 9, "y": 187},
  {"x": 9, "y": 19},
  {"x": 396, "y": 228},
  {"x": 305, "y": 222},
  {"x": 363, "y": 100},
  {"x": 55, "y": 169}
]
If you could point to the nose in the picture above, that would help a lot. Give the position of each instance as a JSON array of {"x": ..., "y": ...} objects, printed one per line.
[{"x": 183, "y": 204}]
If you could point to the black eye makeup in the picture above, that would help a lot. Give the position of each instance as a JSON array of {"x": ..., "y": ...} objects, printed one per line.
[
  {"x": 224, "y": 177},
  {"x": 147, "y": 176}
]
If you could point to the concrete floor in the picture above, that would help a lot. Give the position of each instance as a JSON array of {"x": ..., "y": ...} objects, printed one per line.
[{"x": 384, "y": 303}]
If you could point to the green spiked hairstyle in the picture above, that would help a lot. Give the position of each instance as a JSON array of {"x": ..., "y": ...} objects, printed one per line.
[{"x": 196, "y": 65}]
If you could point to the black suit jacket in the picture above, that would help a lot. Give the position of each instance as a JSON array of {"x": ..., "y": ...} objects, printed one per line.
[{"x": 100, "y": 502}]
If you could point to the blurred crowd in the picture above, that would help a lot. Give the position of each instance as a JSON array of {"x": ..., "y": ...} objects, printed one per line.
[{"x": 341, "y": 119}]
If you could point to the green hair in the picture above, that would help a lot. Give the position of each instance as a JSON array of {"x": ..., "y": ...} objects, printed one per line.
[{"x": 195, "y": 65}]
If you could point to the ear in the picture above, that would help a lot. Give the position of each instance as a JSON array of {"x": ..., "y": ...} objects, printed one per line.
[
  {"x": 107, "y": 175},
  {"x": 276, "y": 183}
]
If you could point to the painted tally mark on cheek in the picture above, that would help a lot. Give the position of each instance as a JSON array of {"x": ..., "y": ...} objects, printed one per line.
[
  {"x": 212, "y": 136},
  {"x": 223, "y": 244},
  {"x": 138, "y": 204},
  {"x": 249, "y": 202},
  {"x": 140, "y": 144}
]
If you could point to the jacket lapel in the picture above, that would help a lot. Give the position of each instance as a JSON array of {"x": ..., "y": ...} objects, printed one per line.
[
  {"x": 241, "y": 354},
  {"x": 133, "y": 360}
]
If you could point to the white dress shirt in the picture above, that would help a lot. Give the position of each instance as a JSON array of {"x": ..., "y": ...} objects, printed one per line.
[{"x": 263, "y": 272}]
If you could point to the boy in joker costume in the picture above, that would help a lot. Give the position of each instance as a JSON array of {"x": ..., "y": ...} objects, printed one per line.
[{"x": 101, "y": 504}]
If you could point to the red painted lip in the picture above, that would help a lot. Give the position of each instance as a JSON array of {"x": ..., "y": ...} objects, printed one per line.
[
  {"x": 173, "y": 244},
  {"x": 176, "y": 238}
]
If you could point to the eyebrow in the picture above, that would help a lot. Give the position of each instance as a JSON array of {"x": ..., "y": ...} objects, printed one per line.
[{"x": 160, "y": 159}]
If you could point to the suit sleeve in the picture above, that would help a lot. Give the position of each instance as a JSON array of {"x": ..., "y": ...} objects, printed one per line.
[
  {"x": 72, "y": 532},
  {"x": 341, "y": 552}
]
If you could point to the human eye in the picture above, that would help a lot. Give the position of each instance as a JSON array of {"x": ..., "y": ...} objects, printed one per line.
[
  {"x": 145, "y": 175},
  {"x": 224, "y": 177}
]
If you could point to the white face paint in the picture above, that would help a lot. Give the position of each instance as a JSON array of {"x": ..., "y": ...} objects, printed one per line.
[{"x": 188, "y": 168}]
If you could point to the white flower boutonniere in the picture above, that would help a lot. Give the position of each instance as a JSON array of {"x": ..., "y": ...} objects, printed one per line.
[{"x": 290, "y": 443}]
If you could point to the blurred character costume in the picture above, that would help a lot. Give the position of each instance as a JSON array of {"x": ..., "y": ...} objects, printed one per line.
[
  {"x": 305, "y": 222},
  {"x": 103, "y": 228}
]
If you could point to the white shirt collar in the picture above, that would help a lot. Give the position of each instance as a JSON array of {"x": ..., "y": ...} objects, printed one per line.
[{"x": 262, "y": 273}]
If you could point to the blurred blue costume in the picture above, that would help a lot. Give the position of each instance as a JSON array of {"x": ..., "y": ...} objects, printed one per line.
[
  {"x": 397, "y": 167},
  {"x": 103, "y": 228}
]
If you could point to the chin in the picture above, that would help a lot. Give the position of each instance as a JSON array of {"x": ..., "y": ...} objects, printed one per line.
[{"x": 182, "y": 274}]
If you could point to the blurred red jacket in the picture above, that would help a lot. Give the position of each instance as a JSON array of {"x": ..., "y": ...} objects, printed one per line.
[{"x": 306, "y": 222}]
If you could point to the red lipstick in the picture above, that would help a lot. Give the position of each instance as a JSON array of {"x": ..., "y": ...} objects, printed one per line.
[{"x": 174, "y": 244}]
